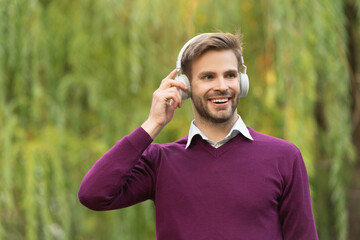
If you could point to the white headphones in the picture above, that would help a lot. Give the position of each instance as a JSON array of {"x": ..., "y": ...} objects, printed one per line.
[{"x": 244, "y": 79}]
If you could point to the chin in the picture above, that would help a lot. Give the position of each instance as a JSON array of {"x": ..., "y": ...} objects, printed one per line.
[
  {"x": 218, "y": 117},
  {"x": 222, "y": 119}
]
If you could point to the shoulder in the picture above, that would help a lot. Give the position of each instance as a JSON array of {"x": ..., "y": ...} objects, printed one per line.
[
  {"x": 180, "y": 143},
  {"x": 284, "y": 154},
  {"x": 273, "y": 144},
  {"x": 159, "y": 148}
]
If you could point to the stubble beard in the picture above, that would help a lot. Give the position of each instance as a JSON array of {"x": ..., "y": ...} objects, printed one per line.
[{"x": 200, "y": 104}]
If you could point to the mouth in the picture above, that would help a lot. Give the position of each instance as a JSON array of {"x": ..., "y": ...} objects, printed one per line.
[{"x": 220, "y": 101}]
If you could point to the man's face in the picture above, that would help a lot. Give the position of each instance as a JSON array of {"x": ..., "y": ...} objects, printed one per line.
[{"x": 215, "y": 87}]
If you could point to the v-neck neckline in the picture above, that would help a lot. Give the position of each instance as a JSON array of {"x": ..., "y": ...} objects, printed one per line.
[{"x": 217, "y": 152}]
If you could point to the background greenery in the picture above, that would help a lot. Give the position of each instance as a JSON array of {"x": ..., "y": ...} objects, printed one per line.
[{"x": 76, "y": 76}]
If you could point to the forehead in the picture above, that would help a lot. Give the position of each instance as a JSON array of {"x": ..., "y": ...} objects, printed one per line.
[{"x": 215, "y": 61}]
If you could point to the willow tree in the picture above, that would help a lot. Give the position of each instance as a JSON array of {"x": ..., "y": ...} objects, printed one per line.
[{"x": 76, "y": 76}]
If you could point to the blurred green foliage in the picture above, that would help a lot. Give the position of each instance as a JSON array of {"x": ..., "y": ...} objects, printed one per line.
[{"x": 76, "y": 76}]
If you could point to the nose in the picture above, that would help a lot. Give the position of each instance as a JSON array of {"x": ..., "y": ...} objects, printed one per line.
[{"x": 221, "y": 84}]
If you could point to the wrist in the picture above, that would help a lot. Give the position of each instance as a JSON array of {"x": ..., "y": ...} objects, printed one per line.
[{"x": 152, "y": 128}]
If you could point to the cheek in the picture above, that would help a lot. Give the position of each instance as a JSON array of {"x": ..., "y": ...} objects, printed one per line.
[
  {"x": 235, "y": 86},
  {"x": 200, "y": 88}
]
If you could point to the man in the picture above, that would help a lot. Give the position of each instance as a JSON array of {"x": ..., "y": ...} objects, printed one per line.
[{"x": 223, "y": 180}]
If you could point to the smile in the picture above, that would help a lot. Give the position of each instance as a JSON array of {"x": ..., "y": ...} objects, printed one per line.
[{"x": 219, "y": 100}]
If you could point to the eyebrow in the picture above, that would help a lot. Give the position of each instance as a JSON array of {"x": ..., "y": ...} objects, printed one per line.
[
  {"x": 204, "y": 73},
  {"x": 231, "y": 71}
]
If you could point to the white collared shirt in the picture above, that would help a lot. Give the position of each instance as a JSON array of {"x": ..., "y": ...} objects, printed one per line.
[{"x": 239, "y": 127}]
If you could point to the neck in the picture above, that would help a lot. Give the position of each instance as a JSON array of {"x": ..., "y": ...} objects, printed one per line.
[{"x": 215, "y": 131}]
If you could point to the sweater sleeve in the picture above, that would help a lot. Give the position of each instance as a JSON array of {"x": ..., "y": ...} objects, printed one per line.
[
  {"x": 121, "y": 177},
  {"x": 295, "y": 205}
]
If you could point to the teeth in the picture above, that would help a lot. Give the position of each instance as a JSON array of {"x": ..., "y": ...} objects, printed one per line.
[{"x": 220, "y": 100}]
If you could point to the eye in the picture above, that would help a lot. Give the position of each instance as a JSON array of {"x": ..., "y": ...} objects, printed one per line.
[
  {"x": 231, "y": 75},
  {"x": 207, "y": 77}
]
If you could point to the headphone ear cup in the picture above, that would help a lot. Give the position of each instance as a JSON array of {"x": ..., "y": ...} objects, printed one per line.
[
  {"x": 244, "y": 84},
  {"x": 183, "y": 78}
]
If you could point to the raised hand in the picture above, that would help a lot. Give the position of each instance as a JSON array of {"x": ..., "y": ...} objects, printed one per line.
[{"x": 165, "y": 100}]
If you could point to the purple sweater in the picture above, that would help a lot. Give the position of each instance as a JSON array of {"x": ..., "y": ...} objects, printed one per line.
[{"x": 242, "y": 190}]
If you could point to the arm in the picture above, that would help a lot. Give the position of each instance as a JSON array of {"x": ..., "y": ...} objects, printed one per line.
[
  {"x": 295, "y": 205},
  {"x": 125, "y": 174},
  {"x": 121, "y": 177}
]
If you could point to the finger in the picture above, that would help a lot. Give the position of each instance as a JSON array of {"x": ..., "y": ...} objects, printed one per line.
[
  {"x": 172, "y": 74},
  {"x": 165, "y": 81},
  {"x": 178, "y": 97},
  {"x": 173, "y": 95},
  {"x": 168, "y": 83},
  {"x": 173, "y": 104}
]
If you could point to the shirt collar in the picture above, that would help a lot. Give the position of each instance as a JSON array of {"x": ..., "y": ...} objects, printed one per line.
[{"x": 238, "y": 127}]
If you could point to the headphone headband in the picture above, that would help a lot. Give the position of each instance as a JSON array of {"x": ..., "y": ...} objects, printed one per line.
[{"x": 178, "y": 61}]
